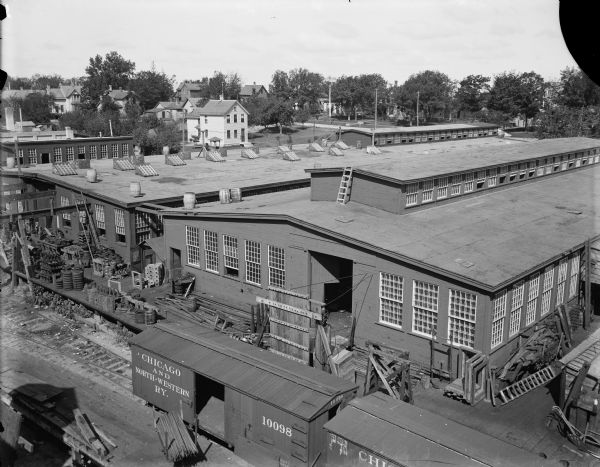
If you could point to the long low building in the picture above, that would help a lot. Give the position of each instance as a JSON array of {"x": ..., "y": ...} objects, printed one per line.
[
  {"x": 470, "y": 275},
  {"x": 418, "y": 134}
]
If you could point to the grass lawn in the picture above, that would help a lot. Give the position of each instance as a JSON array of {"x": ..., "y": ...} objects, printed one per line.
[{"x": 300, "y": 134}]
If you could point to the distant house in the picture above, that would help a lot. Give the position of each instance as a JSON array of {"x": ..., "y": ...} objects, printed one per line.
[
  {"x": 252, "y": 90},
  {"x": 167, "y": 110},
  {"x": 226, "y": 120},
  {"x": 8, "y": 94},
  {"x": 66, "y": 98},
  {"x": 120, "y": 97},
  {"x": 189, "y": 90}
]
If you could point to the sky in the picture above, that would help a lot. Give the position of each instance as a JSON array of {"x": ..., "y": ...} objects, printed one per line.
[{"x": 192, "y": 38}]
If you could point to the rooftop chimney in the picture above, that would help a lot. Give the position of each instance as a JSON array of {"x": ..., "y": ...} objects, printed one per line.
[
  {"x": 110, "y": 87},
  {"x": 221, "y": 97},
  {"x": 68, "y": 132}
]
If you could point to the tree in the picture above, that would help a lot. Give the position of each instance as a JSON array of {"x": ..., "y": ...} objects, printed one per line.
[
  {"x": 35, "y": 107},
  {"x": 276, "y": 112},
  {"x": 515, "y": 94},
  {"x": 577, "y": 90},
  {"x": 151, "y": 87},
  {"x": 152, "y": 134},
  {"x": 302, "y": 115},
  {"x": 472, "y": 93},
  {"x": 435, "y": 90},
  {"x": 16, "y": 82},
  {"x": 112, "y": 70},
  {"x": 280, "y": 85},
  {"x": 42, "y": 82},
  {"x": 345, "y": 91},
  {"x": 229, "y": 85},
  {"x": 305, "y": 88},
  {"x": 563, "y": 121}
]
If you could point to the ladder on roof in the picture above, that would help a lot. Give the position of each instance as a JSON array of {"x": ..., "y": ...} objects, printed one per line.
[
  {"x": 24, "y": 251},
  {"x": 345, "y": 186},
  {"x": 529, "y": 383},
  {"x": 88, "y": 230}
]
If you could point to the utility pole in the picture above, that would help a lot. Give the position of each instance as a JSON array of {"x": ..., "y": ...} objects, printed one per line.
[
  {"x": 417, "y": 108},
  {"x": 18, "y": 159},
  {"x": 330, "y": 100},
  {"x": 110, "y": 126},
  {"x": 375, "y": 127}
]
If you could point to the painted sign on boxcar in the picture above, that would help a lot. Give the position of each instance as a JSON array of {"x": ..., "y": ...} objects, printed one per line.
[
  {"x": 341, "y": 452},
  {"x": 163, "y": 383}
]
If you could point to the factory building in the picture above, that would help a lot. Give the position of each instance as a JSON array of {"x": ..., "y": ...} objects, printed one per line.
[{"x": 437, "y": 260}]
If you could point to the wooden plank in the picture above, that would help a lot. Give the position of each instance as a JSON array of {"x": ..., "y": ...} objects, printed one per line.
[
  {"x": 325, "y": 342},
  {"x": 382, "y": 377},
  {"x": 88, "y": 432},
  {"x": 289, "y": 342},
  {"x": 283, "y": 306},
  {"x": 282, "y": 354},
  {"x": 291, "y": 325}
]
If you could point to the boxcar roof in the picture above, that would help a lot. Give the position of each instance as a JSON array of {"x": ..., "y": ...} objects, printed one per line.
[
  {"x": 291, "y": 386},
  {"x": 443, "y": 160},
  {"x": 413, "y": 436},
  {"x": 489, "y": 240}
]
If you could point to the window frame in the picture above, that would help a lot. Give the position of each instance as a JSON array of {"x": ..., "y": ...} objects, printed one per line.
[
  {"x": 498, "y": 318},
  {"x": 427, "y": 312},
  {"x": 276, "y": 264},
  {"x": 252, "y": 252},
  {"x": 462, "y": 313},
  {"x": 192, "y": 244},
  {"x": 211, "y": 251},
  {"x": 231, "y": 260}
]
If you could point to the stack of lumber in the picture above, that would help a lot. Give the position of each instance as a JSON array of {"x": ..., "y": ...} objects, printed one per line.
[{"x": 176, "y": 441}]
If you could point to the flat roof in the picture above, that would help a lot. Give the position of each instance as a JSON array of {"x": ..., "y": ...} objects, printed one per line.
[
  {"x": 299, "y": 389},
  {"x": 420, "y": 129},
  {"x": 443, "y": 159},
  {"x": 202, "y": 176},
  {"x": 412, "y": 436},
  {"x": 488, "y": 240}
]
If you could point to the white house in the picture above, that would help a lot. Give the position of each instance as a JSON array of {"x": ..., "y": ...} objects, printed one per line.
[
  {"x": 166, "y": 110},
  {"x": 66, "y": 98},
  {"x": 226, "y": 120}
]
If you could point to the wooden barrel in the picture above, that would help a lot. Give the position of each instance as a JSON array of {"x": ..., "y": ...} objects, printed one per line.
[
  {"x": 67, "y": 275},
  {"x": 224, "y": 196},
  {"x": 91, "y": 175},
  {"x": 150, "y": 316},
  {"x": 236, "y": 195},
  {"x": 135, "y": 188},
  {"x": 139, "y": 316}
]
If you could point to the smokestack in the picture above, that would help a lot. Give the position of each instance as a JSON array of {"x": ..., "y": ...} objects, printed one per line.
[
  {"x": 10, "y": 118},
  {"x": 68, "y": 132}
]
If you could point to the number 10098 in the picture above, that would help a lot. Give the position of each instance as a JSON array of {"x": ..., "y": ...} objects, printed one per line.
[{"x": 280, "y": 427}]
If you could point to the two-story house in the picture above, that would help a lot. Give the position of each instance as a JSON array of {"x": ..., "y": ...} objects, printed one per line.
[
  {"x": 189, "y": 90},
  {"x": 253, "y": 90},
  {"x": 66, "y": 98},
  {"x": 120, "y": 97},
  {"x": 167, "y": 110},
  {"x": 226, "y": 120}
]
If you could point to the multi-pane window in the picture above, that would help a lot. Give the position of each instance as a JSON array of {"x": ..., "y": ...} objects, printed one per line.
[
  {"x": 411, "y": 194},
  {"x": 547, "y": 290},
  {"x": 574, "y": 280},
  {"x": 57, "y": 154},
  {"x": 252, "y": 255},
  {"x": 427, "y": 191},
  {"x": 115, "y": 151},
  {"x": 21, "y": 155},
  {"x": 469, "y": 177},
  {"x": 230, "y": 255},
  {"x": 211, "y": 251},
  {"x": 104, "y": 151},
  {"x": 234, "y": 118},
  {"x": 228, "y": 118},
  {"x": 81, "y": 152},
  {"x": 276, "y": 267},
  {"x": 561, "y": 280},
  {"x": 498, "y": 319},
  {"x": 456, "y": 182},
  {"x": 93, "y": 152},
  {"x": 516, "y": 308},
  {"x": 390, "y": 299},
  {"x": 65, "y": 201},
  {"x": 120, "y": 224},
  {"x": 228, "y": 134},
  {"x": 425, "y": 307},
  {"x": 142, "y": 226},
  {"x": 534, "y": 292},
  {"x": 192, "y": 243},
  {"x": 32, "y": 153},
  {"x": 462, "y": 308},
  {"x": 100, "y": 220},
  {"x": 70, "y": 153},
  {"x": 125, "y": 149},
  {"x": 242, "y": 118},
  {"x": 492, "y": 177},
  {"x": 442, "y": 190}
]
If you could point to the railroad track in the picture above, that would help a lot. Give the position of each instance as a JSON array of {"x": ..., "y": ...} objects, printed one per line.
[{"x": 34, "y": 327}]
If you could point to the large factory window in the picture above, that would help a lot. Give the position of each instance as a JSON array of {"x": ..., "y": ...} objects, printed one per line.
[
  {"x": 547, "y": 290},
  {"x": 390, "y": 299},
  {"x": 427, "y": 191},
  {"x": 142, "y": 227},
  {"x": 411, "y": 194},
  {"x": 70, "y": 153},
  {"x": 211, "y": 251},
  {"x": 534, "y": 292},
  {"x": 57, "y": 154},
  {"x": 456, "y": 182},
  {"x": 93, "y": 153},
  {"x": 32, "y": 156},
  {"x": 442, "y": 191},
  {"x": 253, "y": 262},
  {"x": 492, "y": 178},
  {"x": 276, "y": 267},
  {"x": 103, "y": 151},
  {"x": 574, "y": 281},
  {"x": 561, "y": 281},
  {"x": 65, "y": 201},
  {"x": 462, "y": 309},
  {"x": 230, "y": 256},
  {"x": 120, "y": 225},
  {"x": 469, "y": 177},
  {"x": 425, "y": 308},
  {"x": 192, "y": 243},
  {"x": 100, "y": 221},
  {"x": 516, "y": 308},
  {"x": 498, "y": 319}
]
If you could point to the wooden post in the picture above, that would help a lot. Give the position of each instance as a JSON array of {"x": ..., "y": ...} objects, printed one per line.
[
  {"x": 13, "y": 277},
  {"x": 587, "y": 311}
]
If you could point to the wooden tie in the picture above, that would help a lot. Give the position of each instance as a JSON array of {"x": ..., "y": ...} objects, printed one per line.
[
  {"x": 528, "y": 384},
  {"x": 345, "y": 185}
]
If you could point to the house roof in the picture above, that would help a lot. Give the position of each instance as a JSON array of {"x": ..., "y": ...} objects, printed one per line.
[
  {"x": 489, "y": 241},
  {"x": 412, "y": 436},
  {"x": 296, "y": 388},
  {"x": 194, "y": 86},
  {"x": 445, "y": 159},
  {"x": 64, "y": 91},
  {"x": 169, "y": 105},
  {"x": 219, "y": 107},
  {"x": 119, "y": 94},
  {"x": 251, "y": 89}
]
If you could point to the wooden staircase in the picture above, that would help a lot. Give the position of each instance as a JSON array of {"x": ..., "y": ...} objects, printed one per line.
[{"x": 345, "y": 186}]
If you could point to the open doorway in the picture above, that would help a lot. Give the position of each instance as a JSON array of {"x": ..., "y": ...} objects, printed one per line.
[
  {"x": 210, "y": 406},
  {"x": 331, "y": 279},
  {"x": 45, "y": 159}
]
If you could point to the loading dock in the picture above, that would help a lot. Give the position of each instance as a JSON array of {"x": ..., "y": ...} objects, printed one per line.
[{"x": 271, "y": 410}]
